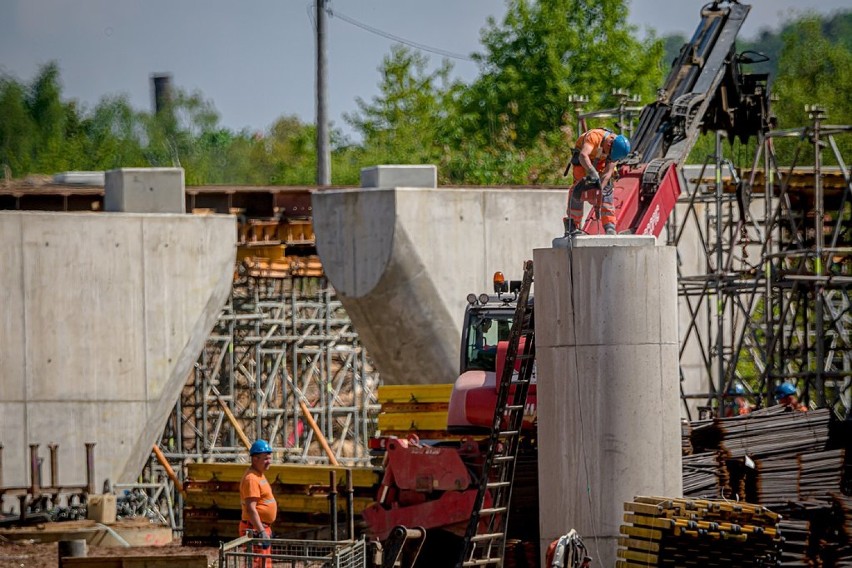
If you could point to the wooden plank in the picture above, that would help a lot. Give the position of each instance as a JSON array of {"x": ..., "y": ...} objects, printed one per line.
[
  {"x": 652, "y": 522},
  {"x": 636, "y": 544},
  {"x": 641, "y": 532},
  {"x": 644, "y": 508},
  {"x": 637, "y": 555},
  {"x": 288, "y": 474}
]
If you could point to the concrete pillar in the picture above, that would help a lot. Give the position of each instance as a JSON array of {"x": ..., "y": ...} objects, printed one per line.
[{"x": 608, "y": 407}]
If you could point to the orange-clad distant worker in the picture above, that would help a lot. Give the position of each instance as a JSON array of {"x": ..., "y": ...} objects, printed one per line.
[
  {"x": 787, "y": 395},
  {"x": 258, "y": 504},
  {"x": 736, "y": 403},
  {"x": 594, "y": 158}
]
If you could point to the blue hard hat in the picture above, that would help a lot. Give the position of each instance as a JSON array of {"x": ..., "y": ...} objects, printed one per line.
[
  {"x": 620, "y": 148},
  {"x": 260, "y": 447},
  {"x": 783, "y": 390},
  {"x": 736, "y": 389}
]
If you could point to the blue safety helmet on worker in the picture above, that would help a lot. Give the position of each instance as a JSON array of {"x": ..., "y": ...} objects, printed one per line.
[
  {"x": 620, "y": 148},
  {"x": 784, "y": 390},
  {"x": 260, "y": 447}
]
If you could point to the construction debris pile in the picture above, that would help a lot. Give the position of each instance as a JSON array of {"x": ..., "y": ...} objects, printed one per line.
[
  {"x": 795, "y": 464},
  {"x": 687, "y": 532}
]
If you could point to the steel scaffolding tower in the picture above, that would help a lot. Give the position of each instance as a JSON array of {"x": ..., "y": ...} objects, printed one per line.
[
  {"x": 281, "y": 346},
  {"x": 768, "y": 300}
]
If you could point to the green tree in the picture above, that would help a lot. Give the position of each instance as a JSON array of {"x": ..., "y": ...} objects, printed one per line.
[
  {"x": 17, "y": 131},
  {"x": 545, "y": 51},
  {"x": 403, "y": 123},
  {"x": 813, "y": 70}
]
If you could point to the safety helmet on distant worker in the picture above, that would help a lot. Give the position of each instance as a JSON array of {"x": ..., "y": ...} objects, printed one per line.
[
  {"x": 619, "y": 149},
  {"x": 260, "y": 447},
  {"x": 736, "y": 389},
  {"x": 784, "y": 390}
]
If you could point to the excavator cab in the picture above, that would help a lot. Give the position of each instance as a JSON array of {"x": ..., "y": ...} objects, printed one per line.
[{"x": 485, "y": 338}]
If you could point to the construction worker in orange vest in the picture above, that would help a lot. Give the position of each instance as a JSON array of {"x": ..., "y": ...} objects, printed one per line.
[
  {"x": 594, "y": 157},
  {"x": 259, "y": 507}
]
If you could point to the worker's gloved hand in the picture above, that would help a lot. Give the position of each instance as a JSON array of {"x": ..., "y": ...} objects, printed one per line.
[
  {"x": 593, "y": 181},
  {"x": 265, "y": 536}
]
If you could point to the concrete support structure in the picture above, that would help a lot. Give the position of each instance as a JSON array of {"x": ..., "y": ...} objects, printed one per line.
[
  {"x": 104, "y": 317},
  {"x": 402, "y": 261},
  {"x": 145, "y": 190},
  {"x": 608, "y": 406}
]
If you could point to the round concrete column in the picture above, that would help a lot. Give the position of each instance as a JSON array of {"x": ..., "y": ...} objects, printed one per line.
[{"x": 608, "y": 405}]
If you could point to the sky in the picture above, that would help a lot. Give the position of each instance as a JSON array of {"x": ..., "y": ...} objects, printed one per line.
[{"x": 255, "y": 59}]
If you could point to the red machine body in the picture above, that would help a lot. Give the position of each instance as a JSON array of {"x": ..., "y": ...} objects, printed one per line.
[
  {"x": 425, "y": 486},
  {"x": 471, "y": 409},
  {"x": 634, "y": 212}
]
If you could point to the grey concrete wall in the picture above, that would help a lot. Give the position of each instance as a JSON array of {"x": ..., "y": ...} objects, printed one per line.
[
  {"x": 608, "y": 420},
  {"x": 402, "y": 261},
  {"x": 105, "y": 315}
]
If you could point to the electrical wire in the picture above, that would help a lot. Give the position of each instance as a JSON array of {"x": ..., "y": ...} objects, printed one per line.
[{"x": 398, "y": 39}]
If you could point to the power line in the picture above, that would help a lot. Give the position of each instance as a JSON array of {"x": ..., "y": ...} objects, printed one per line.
[{"x": 397, "y": 38}]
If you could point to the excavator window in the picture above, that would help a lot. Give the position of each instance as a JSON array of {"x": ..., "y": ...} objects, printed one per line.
[{"x": 483, "y": 332}]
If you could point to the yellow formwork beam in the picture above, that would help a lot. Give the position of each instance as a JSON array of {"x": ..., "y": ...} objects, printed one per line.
[
  {"x": 414, "y": 394},
  {"x": 287, "y": 503},
  {"x": 413, "y": 421},
  {"x": 288, "y": 474}
]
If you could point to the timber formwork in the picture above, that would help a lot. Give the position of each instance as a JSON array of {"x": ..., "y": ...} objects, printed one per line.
[{"x": 768, "y": 300}]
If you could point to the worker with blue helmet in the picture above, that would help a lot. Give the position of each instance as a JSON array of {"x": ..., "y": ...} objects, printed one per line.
[
  {"x": 787, "y": 395},
  {"x": 594, "y": 158},
  {"x": 736, "y": 403},
  {"x": 257, "y": 502}
]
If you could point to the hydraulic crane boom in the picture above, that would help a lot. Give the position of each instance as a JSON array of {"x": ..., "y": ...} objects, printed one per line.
[{"x": 704, "y": 91}]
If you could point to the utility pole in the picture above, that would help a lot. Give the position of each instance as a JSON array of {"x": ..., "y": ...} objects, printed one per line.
[{"x": 323, "y": 152}]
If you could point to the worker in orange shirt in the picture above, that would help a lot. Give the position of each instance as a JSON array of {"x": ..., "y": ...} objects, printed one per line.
[
  {"x": 594, "y": 157},
  {"x": 258, "y": 504},
  {"x": 787, "y": 395}
]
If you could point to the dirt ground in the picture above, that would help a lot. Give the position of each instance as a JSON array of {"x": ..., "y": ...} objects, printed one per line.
[{"x": 38, "y": 555}]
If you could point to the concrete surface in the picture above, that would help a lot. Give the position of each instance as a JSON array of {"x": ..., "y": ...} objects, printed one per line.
[
  {"x": 105, "y": 315},
  {"x": 145, "y": 190},
  {"x": 402, "y": 261},
  {"x": 607, "y": 369},
  {"x": 399, "y": 176}
]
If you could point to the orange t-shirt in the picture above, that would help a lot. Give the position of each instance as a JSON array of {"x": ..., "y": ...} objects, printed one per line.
[
  {"x": 596, "y": 138},
  {"x": 254, "y": 485}
]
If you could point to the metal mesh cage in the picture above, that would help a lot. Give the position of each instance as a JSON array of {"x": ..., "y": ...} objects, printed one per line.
[{"x": 245, "y": 552}]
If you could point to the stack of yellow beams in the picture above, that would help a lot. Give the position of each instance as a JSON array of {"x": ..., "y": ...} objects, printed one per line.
[
  {"x": 212, "y": 502},
  {"x": 419, "y": 410},
  {"x": 695, "y": 532}
]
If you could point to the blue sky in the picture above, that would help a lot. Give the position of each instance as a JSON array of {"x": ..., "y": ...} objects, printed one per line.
[{"x": 255, "y": 59}]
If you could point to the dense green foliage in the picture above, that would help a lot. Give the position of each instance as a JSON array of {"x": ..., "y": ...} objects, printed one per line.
[{"x": 512, "y": 124}]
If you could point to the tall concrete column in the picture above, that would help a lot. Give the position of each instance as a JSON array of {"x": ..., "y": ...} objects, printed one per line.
[{"x": 606, "y": 355}]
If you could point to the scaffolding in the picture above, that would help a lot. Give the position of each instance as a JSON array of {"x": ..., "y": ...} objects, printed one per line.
[
  {"x": 768, "y": 299},
  {"x": 281, "y": 346}
]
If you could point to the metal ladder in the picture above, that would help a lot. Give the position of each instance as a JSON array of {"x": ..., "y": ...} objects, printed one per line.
[{"x": 485, "y": 539}]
